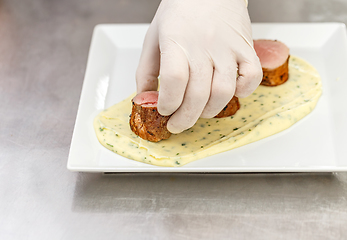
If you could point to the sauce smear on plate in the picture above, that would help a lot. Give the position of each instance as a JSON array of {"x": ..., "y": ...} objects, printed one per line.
[{"x": 267, "y": 111}]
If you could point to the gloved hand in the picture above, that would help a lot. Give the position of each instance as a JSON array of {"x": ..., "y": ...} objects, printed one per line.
[{"x": 203, "y": 51}]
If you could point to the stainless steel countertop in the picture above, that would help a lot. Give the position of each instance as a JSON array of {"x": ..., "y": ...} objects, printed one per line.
[{"x": 43, "y": 54}]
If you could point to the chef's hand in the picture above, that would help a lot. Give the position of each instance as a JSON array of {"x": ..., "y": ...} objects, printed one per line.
[{"x": 203, "y": 51}]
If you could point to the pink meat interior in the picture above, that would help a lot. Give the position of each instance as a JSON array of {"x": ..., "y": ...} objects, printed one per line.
[
  {"x": 147, "y": 99},
  {"x": 272, "y": 53}
]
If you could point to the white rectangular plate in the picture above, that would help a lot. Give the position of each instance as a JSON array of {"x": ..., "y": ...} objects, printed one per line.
[{"x": 315, "y": 144}]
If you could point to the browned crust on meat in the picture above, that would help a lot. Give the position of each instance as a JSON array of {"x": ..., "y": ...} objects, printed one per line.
[
  {"x": 230, "y": 109},
  {"x": 277, "y": 76},
  {"x": 148, "y": 124}
]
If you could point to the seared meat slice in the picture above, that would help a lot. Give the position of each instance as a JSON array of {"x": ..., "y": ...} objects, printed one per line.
[
  {"x": 230, "y": 109},
  {"x": 145, "y": 120},
  {"x": 276, "y": 76},
  {"x": 274, "y": 59}
]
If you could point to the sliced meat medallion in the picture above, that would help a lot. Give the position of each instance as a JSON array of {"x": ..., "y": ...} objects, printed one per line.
[
  {"x": 145, "y": 120},
  {"x": 274, "y": 58},
  {"x": 230, "y": 109}
]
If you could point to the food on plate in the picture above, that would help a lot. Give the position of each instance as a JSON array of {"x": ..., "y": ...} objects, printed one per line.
[
  {"x": 230, "y": 109},
  {"x": 267, "y": 111},
  {"x": 145, "y": 120},
  {"x": 147, "y": 123},
  {"x": 274, "y": 59}
]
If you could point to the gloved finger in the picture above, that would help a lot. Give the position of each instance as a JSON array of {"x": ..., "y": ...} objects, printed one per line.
[
  {"x": 148, "y": 69},
  {"x": 223, "y": 87},
  {"x": 195, "y": 99},
  {"x": 250, "y": 76},
  {"x": 174, "y": 74}
]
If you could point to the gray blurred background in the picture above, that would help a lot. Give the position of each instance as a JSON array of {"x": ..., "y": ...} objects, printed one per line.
[{"x": 43, "y": 54}]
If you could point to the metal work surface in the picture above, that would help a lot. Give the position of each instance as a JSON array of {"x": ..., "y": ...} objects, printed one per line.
[{"x": 43, "y": 53}]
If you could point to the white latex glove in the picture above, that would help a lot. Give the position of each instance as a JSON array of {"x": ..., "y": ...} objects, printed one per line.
[{"x": 203, "y": 51}]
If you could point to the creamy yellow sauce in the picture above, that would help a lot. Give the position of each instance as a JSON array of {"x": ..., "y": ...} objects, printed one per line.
[{"x": 267, "y": 111}]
